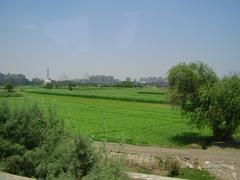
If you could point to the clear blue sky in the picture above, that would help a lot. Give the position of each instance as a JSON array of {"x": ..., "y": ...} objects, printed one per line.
[{"x": 122, "y": 38}]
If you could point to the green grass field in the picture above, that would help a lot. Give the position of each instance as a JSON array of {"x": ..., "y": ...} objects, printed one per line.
[
  {"x": 152, "y": 95},
  {"x": 120, "y": 121}
]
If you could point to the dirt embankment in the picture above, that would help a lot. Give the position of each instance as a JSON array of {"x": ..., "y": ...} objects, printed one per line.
[{"x": 223, "y": 163}]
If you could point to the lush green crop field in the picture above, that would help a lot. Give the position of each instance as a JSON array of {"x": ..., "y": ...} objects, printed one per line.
[
  {"x": 120, "y": 121},
  {"x": 153, "y": 95}
]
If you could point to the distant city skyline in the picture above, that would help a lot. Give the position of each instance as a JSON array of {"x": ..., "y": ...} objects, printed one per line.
[{"x": 136, "y": 38}]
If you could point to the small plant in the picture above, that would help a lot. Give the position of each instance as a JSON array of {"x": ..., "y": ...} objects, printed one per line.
[
  {"x": 71, "y": 85},
  {"x": 171, "y": 164},
  {"x": 107, "y": 169},
  {"x": 188, "y": 173}
]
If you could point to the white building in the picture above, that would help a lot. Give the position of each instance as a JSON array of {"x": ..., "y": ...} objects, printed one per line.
[{"x": 48, "y": 80}]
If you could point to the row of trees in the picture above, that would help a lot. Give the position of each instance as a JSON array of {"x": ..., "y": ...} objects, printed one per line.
[
  {"x": 207, "y": 99},
  {"x": 18, "y": 79}
]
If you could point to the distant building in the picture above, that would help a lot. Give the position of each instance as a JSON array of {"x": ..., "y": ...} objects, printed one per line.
[
  {"x": 128, "y": 79},
  {"x": 102, "y": 79},
  {"x": 157, "y": 81}
]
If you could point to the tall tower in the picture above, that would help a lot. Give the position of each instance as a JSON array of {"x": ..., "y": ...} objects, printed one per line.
[{"x": 47, "y": 73}]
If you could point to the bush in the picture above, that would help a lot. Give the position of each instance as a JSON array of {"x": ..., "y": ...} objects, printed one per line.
[
  {"x": 35, "y": 143},
  {"x": 9, "y": 87},
  {"x": 106, "y": 170},
  {"x": 220, "y": 108}
]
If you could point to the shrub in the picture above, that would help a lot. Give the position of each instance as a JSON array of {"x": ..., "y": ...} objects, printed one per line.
[
  {"x": 171, "y": 164},
  {"x": 9, "y": 87},
  {"x": 83, "y": 159},
  {"x": 35, "y": 143},
  {"x": 107, "y": 170}
]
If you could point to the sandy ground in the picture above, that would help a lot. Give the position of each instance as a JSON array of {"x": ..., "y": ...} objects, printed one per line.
[
  {"x": 210, "y": 154},
  {"x": 223, "y": 163}
]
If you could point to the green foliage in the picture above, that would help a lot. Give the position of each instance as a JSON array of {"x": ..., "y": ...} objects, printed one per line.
[
  {"x": 14, "y": 79},
  {"x": 107, "y": 170},
  {"x": 210, "y": 102},
  {"x": 220, "y": 108},
  {"x": 83, "y": 159},
  {"x": 126, "y": 84},
  {"x": 195, "y": 174},
  {"x": 71, "y": 85},
  {"x": 185, "y": 80},
  {"x": 37, "y": 82},
  {"x": 36, "y": 144},
  {"x": 9, "y": 87}
]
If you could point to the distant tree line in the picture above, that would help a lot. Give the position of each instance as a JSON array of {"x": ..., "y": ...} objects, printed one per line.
[
  {"x": 102, "y": 81},
  {"x": 14, "y": 79},
  {"x": 18, "y": 79}
]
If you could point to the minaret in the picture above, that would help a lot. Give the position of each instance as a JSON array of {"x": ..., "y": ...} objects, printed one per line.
[{"x": 47, "y": 73}]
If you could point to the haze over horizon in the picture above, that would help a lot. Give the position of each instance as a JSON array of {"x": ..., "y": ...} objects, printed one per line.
[{"x": 134, "y": 39}]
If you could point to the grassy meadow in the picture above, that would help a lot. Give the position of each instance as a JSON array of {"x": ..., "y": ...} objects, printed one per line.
[
  {"x": 151, "y": 95},
  {"x": 114, "y": 120}
]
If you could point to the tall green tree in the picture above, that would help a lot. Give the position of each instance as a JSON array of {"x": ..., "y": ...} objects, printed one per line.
[
  {"x": 220, "y": 108},
  {"x": 185, "y": 81},
  {"x": 209, "y": 101}
]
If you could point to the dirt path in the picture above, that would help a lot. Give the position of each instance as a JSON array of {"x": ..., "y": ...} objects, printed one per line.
[
  {"x": 223, "y": 163},
  {"x": 211, "y": 154}
]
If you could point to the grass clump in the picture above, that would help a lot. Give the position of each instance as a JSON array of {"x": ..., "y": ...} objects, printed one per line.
[
  {"x": 107, "y": 169},
  {"x": 195, "y": 174},
  {"x": 170, "y": 164}
]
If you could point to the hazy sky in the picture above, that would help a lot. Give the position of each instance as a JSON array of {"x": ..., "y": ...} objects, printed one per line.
[{"x": 122, "y": 38}]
